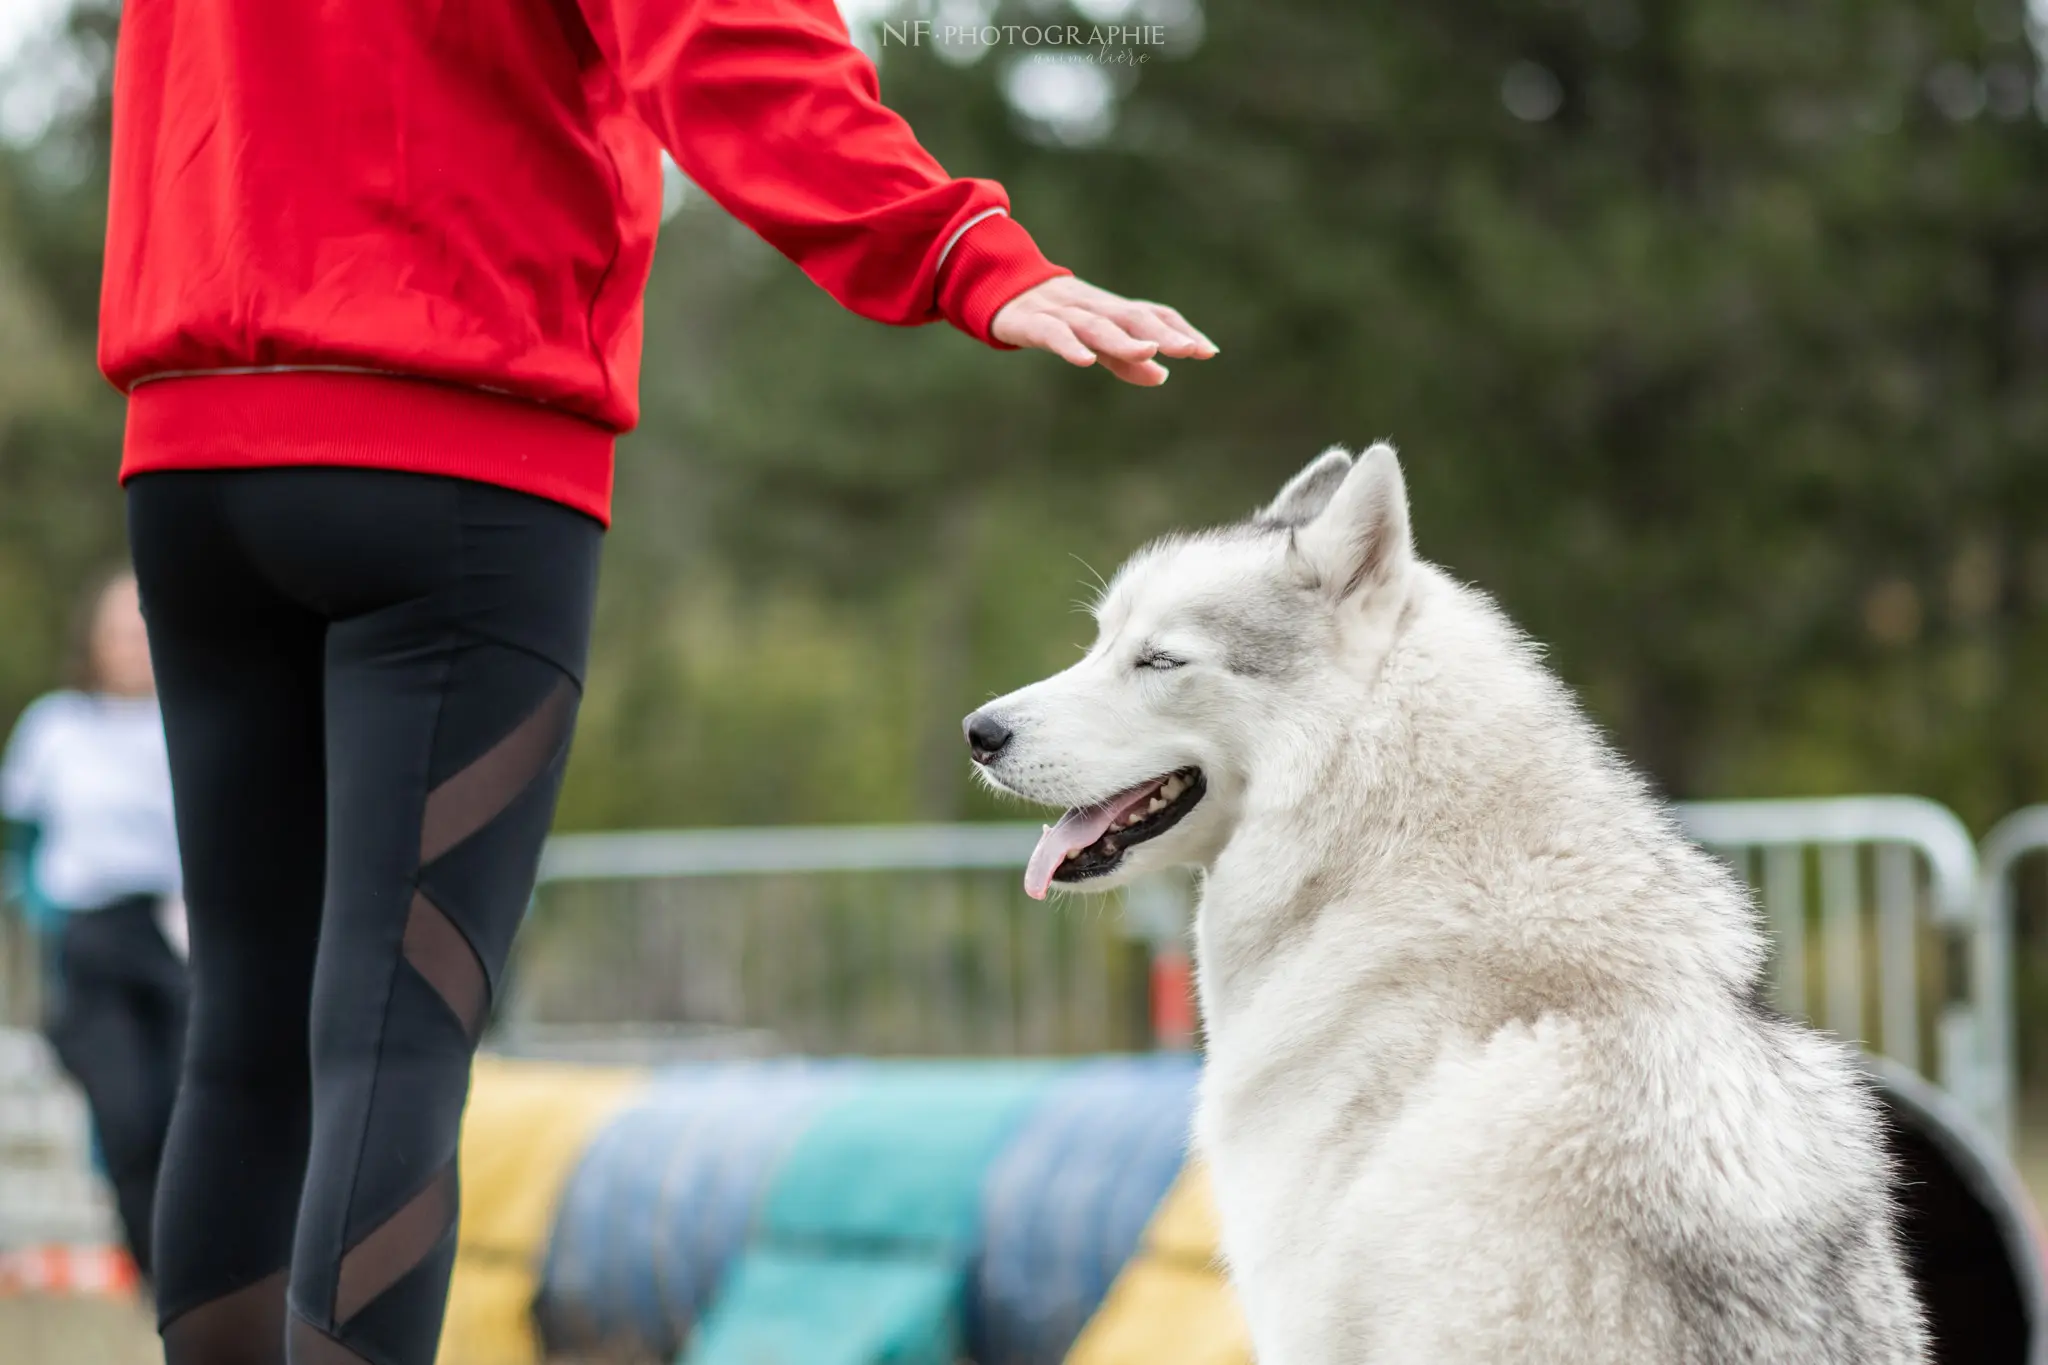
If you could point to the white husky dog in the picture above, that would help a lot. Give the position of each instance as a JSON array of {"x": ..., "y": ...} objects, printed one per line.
[{"x": 1488, "y": 1077}]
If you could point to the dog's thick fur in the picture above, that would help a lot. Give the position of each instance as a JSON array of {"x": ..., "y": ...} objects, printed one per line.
[{"x": 1488, "y": 1075}]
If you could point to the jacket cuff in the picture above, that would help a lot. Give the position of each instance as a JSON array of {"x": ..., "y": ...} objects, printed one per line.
[{"x": 993, "y": 261}]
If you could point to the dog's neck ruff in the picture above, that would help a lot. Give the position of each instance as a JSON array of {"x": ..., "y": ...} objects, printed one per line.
[{"x": 1424, "y": 849}]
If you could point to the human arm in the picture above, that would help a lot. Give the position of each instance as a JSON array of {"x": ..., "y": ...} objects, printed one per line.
[
  {"x": 22, "y": 776},
  {"x": 773, "y": 112},
  {"x": 17, "y": 873}
]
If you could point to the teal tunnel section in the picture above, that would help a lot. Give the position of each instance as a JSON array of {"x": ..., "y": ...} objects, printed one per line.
[
  {"x": 818, "y": 1212},
  {"x": 864, "y": 1244},
  {"x": 663, "y": 1202}
]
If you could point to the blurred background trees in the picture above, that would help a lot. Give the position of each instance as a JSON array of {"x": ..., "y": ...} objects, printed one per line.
[{"x": 1713, "y": 333}]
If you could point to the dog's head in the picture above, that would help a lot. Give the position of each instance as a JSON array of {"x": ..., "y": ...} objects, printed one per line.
[{"x": 1219, "y": 662}]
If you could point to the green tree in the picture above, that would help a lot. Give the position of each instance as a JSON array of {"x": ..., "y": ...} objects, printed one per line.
[
  {"x": 60, "y": 425},
  {"x": 1711, "y": 332}
]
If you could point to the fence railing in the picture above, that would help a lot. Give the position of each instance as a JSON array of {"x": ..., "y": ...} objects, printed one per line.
[
  {"x": 1868, "y": 886},
  {"x": 894, "y": 938},
  {"x": 1884, "y": 927},
  {"x": 885, "y": 939},
  {"x": 916, "y": 938},
  {"x": 2015, "y": 842}
]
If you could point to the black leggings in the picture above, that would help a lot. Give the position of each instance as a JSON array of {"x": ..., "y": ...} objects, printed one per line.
[
  {"x": 116, "y": 1019},
  {"x": 368, "y": 683}
]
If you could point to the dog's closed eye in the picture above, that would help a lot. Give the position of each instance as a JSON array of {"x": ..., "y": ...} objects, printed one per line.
[{"x": 1158, "y": 660}]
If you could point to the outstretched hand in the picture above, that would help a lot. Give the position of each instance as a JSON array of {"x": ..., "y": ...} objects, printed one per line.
[{"x": 1082, "y": 324}]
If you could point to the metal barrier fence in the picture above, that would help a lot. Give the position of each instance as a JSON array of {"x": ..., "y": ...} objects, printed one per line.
[
  {"x": 1880, "y": 894},
  {"x": 875, "y": 939},
  {"x": 2014, "y": 843},
  {"x": 897, "y": 939},
  {"x": 916, "y": 938}
]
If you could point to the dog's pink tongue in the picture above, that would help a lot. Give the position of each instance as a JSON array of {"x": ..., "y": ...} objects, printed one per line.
[{"x": 1075, "y": 830}]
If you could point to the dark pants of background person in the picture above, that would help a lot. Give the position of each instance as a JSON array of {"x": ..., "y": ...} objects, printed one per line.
[
  {"x": 368, "y": 682},
  {"x": 116, "y": 1019}
]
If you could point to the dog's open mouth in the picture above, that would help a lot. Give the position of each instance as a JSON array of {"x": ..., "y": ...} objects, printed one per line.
[{"x": 1090, "y": 841}]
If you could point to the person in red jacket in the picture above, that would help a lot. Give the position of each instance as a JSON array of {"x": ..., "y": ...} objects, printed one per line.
[{"x": 373, "y": 288}]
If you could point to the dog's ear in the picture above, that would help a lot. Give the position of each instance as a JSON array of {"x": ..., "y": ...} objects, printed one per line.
[
  {"x": 1361, "y": 540},
  {"x": 1306, "y": 494}
]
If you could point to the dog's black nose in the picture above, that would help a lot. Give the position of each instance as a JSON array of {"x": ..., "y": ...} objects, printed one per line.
[{"x": 986, "y": 736}]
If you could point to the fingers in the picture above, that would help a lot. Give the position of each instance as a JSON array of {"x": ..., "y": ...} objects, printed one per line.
[
  {"x": 1046, "y": 332},
  {"x": 1136, "y": 320},
  {"x": 1142, "y": 318},
  {"x": 1106, "y": 338},
  {"x": 1082, "y": 324},
  {"x": 1156, "y": 323},
  {"x": 1181, "y": 324},
  {"x": 1081, "y": 338},
  {"x": 1147, "y": 374},
  {"x": 1087, "y": 338}
]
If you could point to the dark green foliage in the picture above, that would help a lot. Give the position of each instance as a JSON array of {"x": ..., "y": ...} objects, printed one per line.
[{"x": 1727, "y": 377}]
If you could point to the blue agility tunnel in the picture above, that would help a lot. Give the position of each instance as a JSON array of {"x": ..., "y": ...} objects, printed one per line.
[
  {"x": 804, "y": 1213},
  {"x": 1066, "y": 1203},
  {"x": 664, "y": 1199}
]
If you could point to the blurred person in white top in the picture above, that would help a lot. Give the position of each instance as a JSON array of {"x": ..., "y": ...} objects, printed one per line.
[{"x": 86, "y": 790}]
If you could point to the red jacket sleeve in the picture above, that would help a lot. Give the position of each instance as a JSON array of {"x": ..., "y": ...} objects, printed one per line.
[{"x": 768, "y": 106}]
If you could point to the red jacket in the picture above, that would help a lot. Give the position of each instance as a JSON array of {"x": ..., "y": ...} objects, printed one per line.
[{"x": 318, "y": 205}]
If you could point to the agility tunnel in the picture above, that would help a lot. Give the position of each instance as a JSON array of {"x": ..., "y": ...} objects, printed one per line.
[
  {"x": 853, "y": 1212},
  {"x": 1969, "y": 1228}
]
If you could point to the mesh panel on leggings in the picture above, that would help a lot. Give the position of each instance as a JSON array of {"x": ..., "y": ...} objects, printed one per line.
[
  {"x": 438, "y": 951},
  {"x": 245, "y": 1327},
  {"x": 436, "y": 948},
  {"x": 395, "y": 1246},
  {"x": 472, "y": 798},
  {"x": 311, "y": 1346}
]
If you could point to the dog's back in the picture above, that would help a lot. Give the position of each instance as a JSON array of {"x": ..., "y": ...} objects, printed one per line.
[{"x": 1538, "y": 1200}]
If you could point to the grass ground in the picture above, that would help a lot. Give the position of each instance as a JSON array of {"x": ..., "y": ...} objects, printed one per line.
[{"x": 37, "y": 1330}]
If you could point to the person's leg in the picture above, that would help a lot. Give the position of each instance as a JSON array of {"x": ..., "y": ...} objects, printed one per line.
[
  {"x": 103, "y": 1034},
  {"x": 460, "y": 615},
  {"x": 239, "y": 675}
]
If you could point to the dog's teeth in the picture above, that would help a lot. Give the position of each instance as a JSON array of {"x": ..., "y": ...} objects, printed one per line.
[{"x": 1157, "y": 804}]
